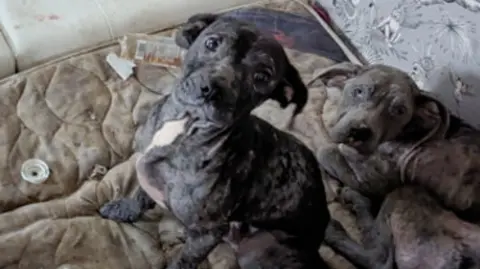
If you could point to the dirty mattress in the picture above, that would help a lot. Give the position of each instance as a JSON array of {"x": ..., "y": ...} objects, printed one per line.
[{"x": 80, "y": 118}]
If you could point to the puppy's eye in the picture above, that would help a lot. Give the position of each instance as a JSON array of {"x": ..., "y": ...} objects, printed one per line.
[
  {"x": 212, "y": 43},
  {"x": 261, "y": 77},
  {"x": 398, "y": 110},
  {"x": 358, "y": 92}
]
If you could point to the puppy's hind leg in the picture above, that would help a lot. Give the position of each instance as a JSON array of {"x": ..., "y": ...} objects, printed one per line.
[
  {"x": 198, "y": 244},
  {"x": 337, "y": 238},
  {"x": 128, "y": 209},
  {"x": 360, "y": 207}
]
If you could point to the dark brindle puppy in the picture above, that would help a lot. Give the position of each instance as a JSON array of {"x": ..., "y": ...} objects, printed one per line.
[
  {"x": 411, "y": 231},
  {"x": 270, "y": 249},
  {"x": 390, "y": 133},
  {"x": 210, "y": 162}
]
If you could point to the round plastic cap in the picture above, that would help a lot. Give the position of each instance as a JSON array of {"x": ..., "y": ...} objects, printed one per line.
[{"x": 35, "y": 171}]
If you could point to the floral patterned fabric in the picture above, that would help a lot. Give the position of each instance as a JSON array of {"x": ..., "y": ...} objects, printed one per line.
[{"x": 436, "y": 41}]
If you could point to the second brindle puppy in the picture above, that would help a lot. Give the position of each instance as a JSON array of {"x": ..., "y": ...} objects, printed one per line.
[{"x": 388, "y": 133}]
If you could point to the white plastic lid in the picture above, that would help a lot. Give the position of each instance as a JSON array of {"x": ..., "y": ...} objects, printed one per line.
[{"x": 35, "y": 171}]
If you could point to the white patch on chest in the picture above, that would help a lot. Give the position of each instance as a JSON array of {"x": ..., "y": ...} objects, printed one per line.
[{"x": 168, "y": 133}]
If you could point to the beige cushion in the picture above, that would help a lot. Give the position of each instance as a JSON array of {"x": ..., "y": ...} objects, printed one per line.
[
  {"x": 7, "y": 62},
  {"x": 39, "y": 30}
]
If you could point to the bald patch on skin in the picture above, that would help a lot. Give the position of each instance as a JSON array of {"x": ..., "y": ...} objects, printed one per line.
[{"x": 168, "y": 133}]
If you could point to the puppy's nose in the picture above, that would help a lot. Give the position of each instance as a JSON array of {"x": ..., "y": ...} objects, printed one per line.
[
  {"x": 205, "y": 90},
  {"x": 361, "y": 134}
]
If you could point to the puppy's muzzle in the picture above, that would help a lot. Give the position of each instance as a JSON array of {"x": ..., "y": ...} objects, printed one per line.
[
  {"x": 361, "y": 134},
  {"x": 199, "y": 87}
]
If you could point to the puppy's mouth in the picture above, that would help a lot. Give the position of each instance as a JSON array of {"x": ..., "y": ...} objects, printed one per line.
[{"x": 362, "y": 139}]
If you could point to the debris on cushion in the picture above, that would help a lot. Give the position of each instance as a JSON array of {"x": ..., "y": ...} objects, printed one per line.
[
  {"x": 98, "y": 172},
  {"x": 35, "y": 171},
  {"x": 124, "y": 68},
  {"x": 148, "y": 49}
]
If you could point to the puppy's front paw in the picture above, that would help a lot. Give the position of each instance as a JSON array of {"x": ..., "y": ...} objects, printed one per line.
[
  {"x": 350, "y": 153},
  {"x": 334, "y": 232},
  {"x": 123, "y": 210},
  {"x": 354, "y": 200},
  {"x": 331, "y": 159}
]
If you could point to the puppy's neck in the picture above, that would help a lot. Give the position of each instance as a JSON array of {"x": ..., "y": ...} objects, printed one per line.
[
  {"x": 203, "y": 134},
  {"x": 215, "y": 139},
  {"x": 186, "y": 133}
]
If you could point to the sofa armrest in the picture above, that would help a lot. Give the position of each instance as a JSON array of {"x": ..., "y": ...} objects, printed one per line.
[
  {"x": 7, "y": 61},
  {"x": 40, "y": 30}
]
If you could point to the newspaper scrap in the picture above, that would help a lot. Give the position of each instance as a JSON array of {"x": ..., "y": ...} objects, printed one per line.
[
  {"x": 124, "y": 68},
  {"x": 155, "y": 50}
]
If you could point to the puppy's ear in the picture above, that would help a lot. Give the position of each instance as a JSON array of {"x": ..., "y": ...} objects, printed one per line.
[
  {"x": 431, "y": 119},
  {"x": 291, "y": 90},
  {"x": 337, "y": 74},
  {"x": 187, "y": 34}
]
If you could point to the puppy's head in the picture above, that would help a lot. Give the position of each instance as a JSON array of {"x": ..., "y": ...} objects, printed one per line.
[
  {"x": 379, "y": 103},
  {"x": 230, "y": 68}
]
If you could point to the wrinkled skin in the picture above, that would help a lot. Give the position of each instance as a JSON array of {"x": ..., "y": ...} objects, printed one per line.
[
  {"x": 405, "y": 137},
  {"x": 375, "y": 106},
  {"x": 411, "y": 230},
  {"x": 216, "y": 163},
  {"x": 270, "y": 249}
]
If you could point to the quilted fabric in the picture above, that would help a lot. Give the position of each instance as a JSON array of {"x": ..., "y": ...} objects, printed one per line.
[{"x": 78, "y": 116}]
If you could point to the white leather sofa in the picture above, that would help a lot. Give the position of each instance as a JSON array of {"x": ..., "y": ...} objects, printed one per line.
[
  {"x": 7, "y": 61},
  {"x": 35, "y": 31}
]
